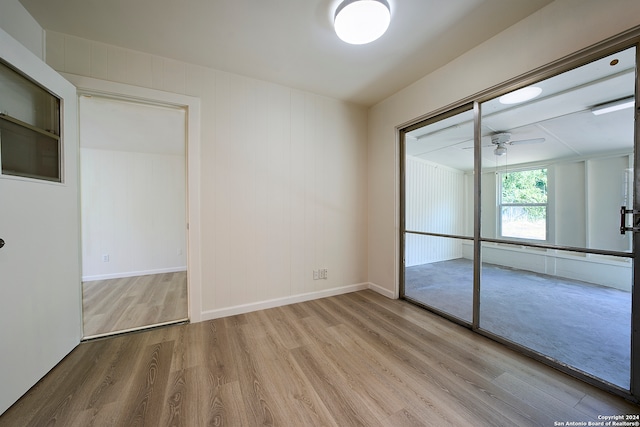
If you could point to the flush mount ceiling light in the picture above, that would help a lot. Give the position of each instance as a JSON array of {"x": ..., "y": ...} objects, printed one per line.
[
  {"x": 610, "y": 107},
  {"x": 361, "y": 21},
  {"x": 520, "y": 95}
]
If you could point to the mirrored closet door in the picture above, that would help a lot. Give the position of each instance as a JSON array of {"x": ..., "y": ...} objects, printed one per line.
[
  {"x": 519, "y": 211},
  {"x": 133, "y": 209}
]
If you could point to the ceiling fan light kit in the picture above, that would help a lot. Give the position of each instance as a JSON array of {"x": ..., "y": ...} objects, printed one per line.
[
  {"x": 500, "y": 150},
  {"x": 502, "y": 139},
  {"x": 362, "y": 21}
]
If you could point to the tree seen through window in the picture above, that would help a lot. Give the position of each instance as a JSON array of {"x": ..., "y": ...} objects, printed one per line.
[{"x": 523, "y": 204}]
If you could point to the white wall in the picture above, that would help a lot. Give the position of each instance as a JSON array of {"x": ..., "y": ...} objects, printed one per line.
[
  {"x": 133, "y": 192},
  {"x": 605, "y": 183},
  {"x": 569, "y": 215},
  {"x": 435, "y": 202},
  {"x": 16, "y": 21},
  {"x": 561, "y": 28},
  {"x": 133, "y": 210},
  {"x": 596, "y": 269},
  {"x": 283, "y": 177}
]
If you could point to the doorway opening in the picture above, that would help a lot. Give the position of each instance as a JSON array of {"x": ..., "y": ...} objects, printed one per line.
[{"x": 134, "y": 214}]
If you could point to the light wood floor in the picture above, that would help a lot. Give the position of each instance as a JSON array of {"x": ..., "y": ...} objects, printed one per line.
[
  {"x": 132, "y": 302},
  {"x": 352, "y": 360}
]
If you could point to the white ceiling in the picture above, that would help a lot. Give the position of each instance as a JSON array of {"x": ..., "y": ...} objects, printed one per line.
[
  {"x": 290, "y": 42},
  {"x": 561, "y": 115}
]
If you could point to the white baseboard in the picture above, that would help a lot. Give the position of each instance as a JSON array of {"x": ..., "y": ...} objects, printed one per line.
[
  {"x": 132, "y": 274},
  {"x": 278, "y": 302},
  {"x": 383, "y": 291}
]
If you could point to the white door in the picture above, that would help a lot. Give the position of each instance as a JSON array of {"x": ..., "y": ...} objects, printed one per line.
[{"x": 40, "y": 294}]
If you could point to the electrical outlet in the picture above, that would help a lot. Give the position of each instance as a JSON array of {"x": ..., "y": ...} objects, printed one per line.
[
  {"x": 325, "y": 273},
  {"x": 179, "y": 251},
  {"x": 105, "y": 258},
  {"x": 316, "y": 275}
]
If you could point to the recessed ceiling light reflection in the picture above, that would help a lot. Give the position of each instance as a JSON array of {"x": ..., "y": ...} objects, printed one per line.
[
  {"x": 610, "y": 107},
  {"x": 520, "y": 95}
]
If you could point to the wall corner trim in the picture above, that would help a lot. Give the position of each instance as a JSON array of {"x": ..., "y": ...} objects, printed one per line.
[{"x": 383, "y": 291}]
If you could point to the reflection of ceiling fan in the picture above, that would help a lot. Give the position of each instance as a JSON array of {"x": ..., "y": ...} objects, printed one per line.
[{"x": 502, "y": 139}]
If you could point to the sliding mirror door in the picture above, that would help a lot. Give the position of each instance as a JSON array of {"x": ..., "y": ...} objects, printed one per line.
[
  {"x": 133, "y": 198},
  {"x": 438, "y": 215},
  {"x": 558, "y": 159},
  {"x": 516, "y": 217}
]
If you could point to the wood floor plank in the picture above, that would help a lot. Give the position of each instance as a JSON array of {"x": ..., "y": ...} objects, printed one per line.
[
  {"x": 462, "y": 352},
  {"x": 373, "y": 390},
  {"x": 144, "y": 403},
  {"x": 252, "y": 386},
  {"x": 431, "y": 365},
  {"x": 597, "y": 402},
  {"x": 475, "y": 350},
  {"x": 227, "y": 408},
  {"x": 346, "y": 407},
  {"x": 115, "y": 379},
  {"x": 405, "y": 418},
  {"x": 562, "y": 387},
  {"x": 317, "y": 310},
  {"x": 466, "y": 388},
  {"x": 195, "y": 398},
  {"x": 105, "y": 415},
  {"x": 188, "y": 343},
  {"x": 348, "y": 360},
  {"x": 286, "y": 326},
  {"x": 300, "y": 311},
  {"x": 125, "y": 303},
  {"x": 97, "y": 299},
  {"x": 214, "y": 343},
  {"x": 428, "y": 402},
  {"x": 176, "y": 411},
  {"x": 294, "y": 388}
]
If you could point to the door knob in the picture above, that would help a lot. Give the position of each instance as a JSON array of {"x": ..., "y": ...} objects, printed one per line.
[{"x": 1, "y": 243}]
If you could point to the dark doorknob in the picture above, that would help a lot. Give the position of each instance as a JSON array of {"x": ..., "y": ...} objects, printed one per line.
[{"x": 1, "y": 243}]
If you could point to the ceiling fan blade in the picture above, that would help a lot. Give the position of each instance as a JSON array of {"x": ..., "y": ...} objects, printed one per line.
[
  {"x": 471, "y": 148},
  {"x": 526, "y": 141}
]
